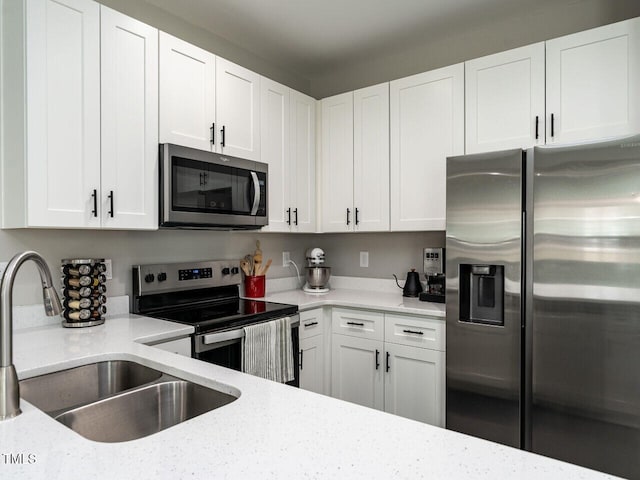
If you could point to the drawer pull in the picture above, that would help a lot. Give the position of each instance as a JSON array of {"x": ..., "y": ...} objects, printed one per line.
[
  {"x": 377, "y": 359},
  {"x": 310, "y": 324},
  {"x": 357, "y": 324},
  {"x": 413, "y": 331}
]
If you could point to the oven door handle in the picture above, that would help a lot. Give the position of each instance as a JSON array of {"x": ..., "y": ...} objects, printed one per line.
[
  {"x": 256, "y": 193},
  {"x": 219, "y": 337}
]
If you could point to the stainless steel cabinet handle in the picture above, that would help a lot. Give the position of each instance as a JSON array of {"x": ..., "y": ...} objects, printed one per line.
[
  {"x": 358, "y": 324},
  {"x": 256, "y": 193},
  {"x": 111, "y": 203},
  {"x": 413, "y": 331}
]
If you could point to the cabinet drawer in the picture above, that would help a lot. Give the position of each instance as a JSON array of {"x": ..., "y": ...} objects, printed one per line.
[
  {"x": 358, "y": 323},
  {"x": 415, "y": 331},
  {"x": 311, "y": 323}
]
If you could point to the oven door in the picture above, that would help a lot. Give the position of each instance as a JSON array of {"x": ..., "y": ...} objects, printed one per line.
[
  {"x": 204, "y": 189},
  {"x": 225, "y": 349}
]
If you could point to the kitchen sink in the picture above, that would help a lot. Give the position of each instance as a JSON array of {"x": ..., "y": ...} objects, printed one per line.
[
  {"x": 144, "y": 411},
  {"x": 118, "y": 400},
  {"x": 60, "y": 391}
]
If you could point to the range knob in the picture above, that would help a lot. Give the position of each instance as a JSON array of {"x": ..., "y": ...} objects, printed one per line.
[
  {"x": 235, "y": 271},
  {"x": 226, "y": 271},
  {"x": 162, "y": 276},
  {"x": 149, "y": 277}
]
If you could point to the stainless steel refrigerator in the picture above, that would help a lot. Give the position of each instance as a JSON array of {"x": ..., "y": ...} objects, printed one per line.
[{"x": 543, "y": 301}]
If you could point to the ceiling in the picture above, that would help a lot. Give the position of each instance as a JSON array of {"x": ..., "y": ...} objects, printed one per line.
[{"x": 310, "y": 37}]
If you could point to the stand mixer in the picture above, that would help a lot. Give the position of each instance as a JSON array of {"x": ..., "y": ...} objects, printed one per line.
[{"x": 317, "y": 275}]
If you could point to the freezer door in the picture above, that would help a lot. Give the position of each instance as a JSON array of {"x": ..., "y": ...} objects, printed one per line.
[
  {"x": 586, "y": 305},
  {"x": 483, "y": 292}
]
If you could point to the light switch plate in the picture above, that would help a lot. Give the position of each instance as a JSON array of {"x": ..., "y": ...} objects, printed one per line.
[{"x": 364, "y": 259}]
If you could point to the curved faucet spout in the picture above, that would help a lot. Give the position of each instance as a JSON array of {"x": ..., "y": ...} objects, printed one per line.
[{"x": 9, "y": 389}]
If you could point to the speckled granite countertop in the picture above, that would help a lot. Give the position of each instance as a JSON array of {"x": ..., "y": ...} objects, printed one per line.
[{"x": 271, "y": 431}]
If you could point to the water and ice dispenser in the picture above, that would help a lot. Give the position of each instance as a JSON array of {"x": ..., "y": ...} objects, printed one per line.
[{"x": 482, "y": 294}]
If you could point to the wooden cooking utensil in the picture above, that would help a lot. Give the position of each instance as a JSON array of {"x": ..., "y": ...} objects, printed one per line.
[
  {"x": 266, "y": 267},
  {"x": 257, "y": 259}
]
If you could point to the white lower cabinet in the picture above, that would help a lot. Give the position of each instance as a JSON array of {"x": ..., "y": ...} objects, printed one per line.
[
  {"x": 396, "y": 365},
  {"x": 311, "y": 355},
  {"x": 356, "y": 371}
]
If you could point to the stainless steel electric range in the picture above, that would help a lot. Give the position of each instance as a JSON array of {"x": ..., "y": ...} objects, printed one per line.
[{"x": 207, "y": 295}]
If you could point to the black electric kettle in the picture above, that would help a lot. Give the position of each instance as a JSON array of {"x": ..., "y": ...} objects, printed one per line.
[{"x": 412, "y": 286}]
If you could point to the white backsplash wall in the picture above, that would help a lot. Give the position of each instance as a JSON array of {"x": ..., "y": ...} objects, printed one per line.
[
  {"x": 388, "y": 252},
  {"x": 127, "y": 248}
]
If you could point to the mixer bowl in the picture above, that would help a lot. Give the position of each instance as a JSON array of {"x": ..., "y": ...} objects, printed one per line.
[{"x": 318, "y": 277}]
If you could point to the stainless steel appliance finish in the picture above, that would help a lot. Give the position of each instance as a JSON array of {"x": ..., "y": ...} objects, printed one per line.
[
  {"x": 205, "y": 294},
  {"x": 317, "y": 277},
  {"x": 200, "y": 189},
  {"x": 555, "y": 368}
]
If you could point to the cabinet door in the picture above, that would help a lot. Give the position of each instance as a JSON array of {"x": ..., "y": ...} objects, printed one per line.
[
  {"x": 129, "y": 110},
  {"x": 63, "y": 113},
  {"x": 238, "y": 110},
  {"x": 371, "y": 158},
  {"x": 427, "y": 126},
  {"x": 504, "y": 100},
  {"x": 414, "y": 383},
  {"x": 312, "y": 363},
  {"x": 356, "y": 371},
  {"x": 592, "y": 83},
  {"x": 303, "y": 162},
  {"x": 337, "y": 163},
  {"x": 187, "y": 94},
  {"x": 274, "y": 135}
]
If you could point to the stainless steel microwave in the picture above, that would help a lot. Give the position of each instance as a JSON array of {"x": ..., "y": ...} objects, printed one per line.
[{"x": 200, "y": 189}]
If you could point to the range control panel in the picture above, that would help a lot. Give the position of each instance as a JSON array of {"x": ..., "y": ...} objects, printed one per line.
[{"x": 171, "y": 277}]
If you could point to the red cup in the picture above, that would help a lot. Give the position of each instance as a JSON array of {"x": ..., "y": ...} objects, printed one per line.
[{"x": 254, "y": 286}]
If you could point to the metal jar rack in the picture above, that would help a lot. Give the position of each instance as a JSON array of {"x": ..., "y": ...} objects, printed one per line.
[{"x": 84, "y": 292}]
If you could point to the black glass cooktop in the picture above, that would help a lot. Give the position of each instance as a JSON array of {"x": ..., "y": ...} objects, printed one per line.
[{"x": 223, "y": 315}]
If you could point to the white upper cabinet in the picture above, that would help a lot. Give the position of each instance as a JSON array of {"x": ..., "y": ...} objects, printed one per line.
[
  {"x": 371, "y": 158},
  {"x": 355, "y": 161},
  {"x": 427, "y": 126},
  {"x": 337, "y": 163},
  {"x": 237, "y": 110},
  {"x": 288, "y": 146},
  {"x": 302, "y": 163},
  {"x": 129, "y": 57},
  {"x": 592, "y": 83},
  {"x": 63, "y": 114},
  {"x": 187, "y": 94},
  {"x": 505, "y": 100},
  {"x": 274, "y": 125}
]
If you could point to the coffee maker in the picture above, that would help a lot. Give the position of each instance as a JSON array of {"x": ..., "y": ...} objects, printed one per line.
[{"x": 434, "y": 263}]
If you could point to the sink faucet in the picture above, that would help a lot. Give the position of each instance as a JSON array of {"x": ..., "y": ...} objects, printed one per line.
[{"x": 9, "y": 388}]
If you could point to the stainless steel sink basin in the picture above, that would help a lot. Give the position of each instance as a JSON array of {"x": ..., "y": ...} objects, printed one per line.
[
  {"x": 119, "y": 400},
  {"x": 144, "y": 411},
  {"x": 59, "y": 391}
]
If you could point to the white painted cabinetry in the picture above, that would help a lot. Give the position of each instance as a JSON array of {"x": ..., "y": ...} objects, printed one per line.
[
  {"x": 54, "y": 64},
  {"x": 187, "y": 94},
  {"x": 391, "y": 362},
  {"x": 288, "y": 146},
  {"x": 312, "y": 355},
  {"x": 505, "y": 100},
  {"x": 427, "y": 126},
  {"x": 355, "y": 161},
  {"x": 207, "y": 102},
  {"x": 592, "y": 83},
  {"x": 129, "y": 113}
]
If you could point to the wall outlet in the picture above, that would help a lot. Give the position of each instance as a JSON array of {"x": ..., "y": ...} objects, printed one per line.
[
  {"x": 109, "y": 271},
  {"x": 364, "y": 259},
  {"x": 286, "y": 258}
]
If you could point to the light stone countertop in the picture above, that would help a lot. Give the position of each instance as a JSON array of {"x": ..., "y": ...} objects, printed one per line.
[{"x": 271, "y": 431}]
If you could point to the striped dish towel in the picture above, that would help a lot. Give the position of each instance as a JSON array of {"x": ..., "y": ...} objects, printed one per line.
[{"x": 267, "y": 350}]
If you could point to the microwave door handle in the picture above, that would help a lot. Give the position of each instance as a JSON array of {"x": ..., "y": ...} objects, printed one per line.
[{"x": 256, "y": 193}]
